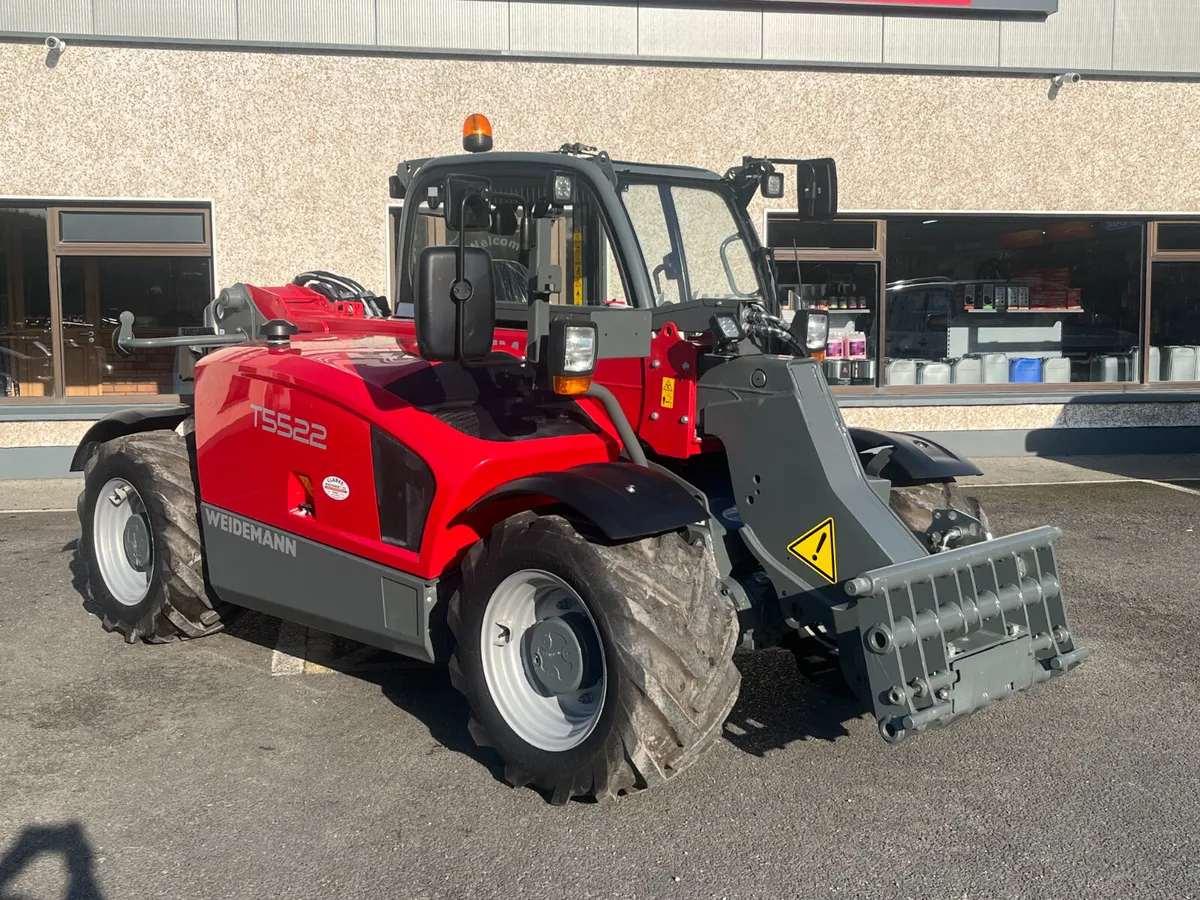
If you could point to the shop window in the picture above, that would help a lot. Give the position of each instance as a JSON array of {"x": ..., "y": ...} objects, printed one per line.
[
  {"x": 1178, "y": 237},
  {"x": 27, "y": 354},
  {"x": 112, "y": 227},
  {"x": 164, "y": 294},
  {"x": 850, "y": 293},
  {"x": 1174, "y": 354},
  {"x": 67, "y": 273},
  {"x": 840, "y": 234},
  {"x": 1012, "y": 300},
  {"x": 1175, "y": 322}
]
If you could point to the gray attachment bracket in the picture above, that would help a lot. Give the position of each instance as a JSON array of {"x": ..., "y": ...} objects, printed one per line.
[
  {"x": 952, "y": 528},
  {"x": 947, "y": 635},
  {"x": 125, "y": 343}
]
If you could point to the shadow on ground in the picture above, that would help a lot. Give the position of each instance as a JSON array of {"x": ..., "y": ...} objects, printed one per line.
[
  {"x": 777, "y": 705},
  {"x": 69, "y": 843}
]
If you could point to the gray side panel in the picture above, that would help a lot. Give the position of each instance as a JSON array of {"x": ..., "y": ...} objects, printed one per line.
[
  {"x": 307, "y": 21},
  {"x": 283, "y": 575},
  {"x": 35, "y": 462},
  {"x": 583, "y": 29},
  {"x": 194, "y": 20},
  {"x": 793, "y": 466}
]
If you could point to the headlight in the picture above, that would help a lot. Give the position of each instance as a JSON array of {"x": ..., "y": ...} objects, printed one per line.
[
  {"x": 579, "y": 351},
  {"x": 571, "y": 354},
  {"x": 817, "y": 333}
]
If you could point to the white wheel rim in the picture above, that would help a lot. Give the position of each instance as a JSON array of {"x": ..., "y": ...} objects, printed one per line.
[
  {"x": 127, "y": 579},
  {"x": 520, "y": 601}
]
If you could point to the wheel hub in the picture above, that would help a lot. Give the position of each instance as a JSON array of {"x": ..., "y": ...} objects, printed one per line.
[
  {"x": 559, "y": 656},
  {"x": 136, "y": 540}
]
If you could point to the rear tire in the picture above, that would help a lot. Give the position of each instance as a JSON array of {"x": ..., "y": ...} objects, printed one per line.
[
  {"x": 665, "y": 636},
  {"x": 148, "y": 580},
  {"x": 915, "y": 505}
]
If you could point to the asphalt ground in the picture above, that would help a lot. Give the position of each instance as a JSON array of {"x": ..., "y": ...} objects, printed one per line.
[{"x": 271, "y": 762}]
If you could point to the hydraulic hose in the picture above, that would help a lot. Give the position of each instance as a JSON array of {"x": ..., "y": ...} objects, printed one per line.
[{"x": 617, "y": 415}]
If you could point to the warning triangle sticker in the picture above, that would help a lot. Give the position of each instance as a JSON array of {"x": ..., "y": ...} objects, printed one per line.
[{"x": 818, "y": 551}]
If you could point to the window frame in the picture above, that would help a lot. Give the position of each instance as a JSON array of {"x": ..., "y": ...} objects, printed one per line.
[
  {"x": 1155, "y": 255},
  {"x": 57, "y": 248}
]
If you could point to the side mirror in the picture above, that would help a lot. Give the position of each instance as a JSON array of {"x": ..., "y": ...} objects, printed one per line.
[
  {"x": 455, "y": 315},
  {"x": 816, "y": 188},
  {"x": 465, "y": 203}
]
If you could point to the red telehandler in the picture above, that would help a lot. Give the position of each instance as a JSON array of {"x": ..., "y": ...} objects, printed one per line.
[{"x": 583, "y": 494}]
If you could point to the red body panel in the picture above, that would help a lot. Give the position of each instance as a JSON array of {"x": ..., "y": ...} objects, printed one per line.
[
  {"x": 334, "y": 385},
  {"x": 637, "y": 383}
]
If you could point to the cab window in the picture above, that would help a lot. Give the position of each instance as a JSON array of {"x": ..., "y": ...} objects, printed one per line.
[{"x": 589, "y": 274}]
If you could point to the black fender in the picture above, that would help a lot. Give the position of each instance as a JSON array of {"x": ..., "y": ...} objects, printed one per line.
[
  {"x": 127, "y": 421},
  {"x": 908, "y": 459},
  {"x": 624, "y": 501}
]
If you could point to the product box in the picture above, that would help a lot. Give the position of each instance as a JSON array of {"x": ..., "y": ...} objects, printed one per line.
[
  {"x": 988, "y": 295},
  {"x": 1074, "y": 297},
  {"x": 968, "y": 297},
  {"x": 1023, "y": 296},
  {"x": 1001, "y": 296}
]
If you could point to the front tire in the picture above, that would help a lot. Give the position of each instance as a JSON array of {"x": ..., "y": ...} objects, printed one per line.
[
  {"x": 140, "y": 539},
  {"x": 643, "y": 675}
]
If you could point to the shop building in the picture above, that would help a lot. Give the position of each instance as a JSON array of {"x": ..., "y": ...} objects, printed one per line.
[{"x": 1016, "y": 268}]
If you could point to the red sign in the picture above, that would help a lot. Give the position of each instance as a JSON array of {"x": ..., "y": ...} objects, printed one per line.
[{"x": 1042, "y": 7}]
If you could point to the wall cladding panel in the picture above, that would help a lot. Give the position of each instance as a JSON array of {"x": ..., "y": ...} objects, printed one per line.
[
  {"x": 583, "y": 29},
  {"x": 700, "y": 33},
  {"x": 1078, "y": 36},
  {"x": 1157, "y": 36},
  {"x": 463, "y": 25},
  {"x": 47, "y": 16},
  {"x": 196, "y": 20},
  {"x": 307, "y": 21},
  {"x": 920, "y": 41},
  {"x": 822, "y": 37}
]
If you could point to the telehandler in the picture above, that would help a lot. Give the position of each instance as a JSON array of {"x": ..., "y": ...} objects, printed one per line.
[{"x": 583, "y": 493}]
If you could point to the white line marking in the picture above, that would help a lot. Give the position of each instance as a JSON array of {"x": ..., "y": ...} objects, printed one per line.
[
  {"x": 1175, "y": 487},
  {"x": 1150, "y": 481},
  {"x": 288, "y": 657},
  {"x": 13, "y": 512},
  {"x": 1014, "y": 484}
]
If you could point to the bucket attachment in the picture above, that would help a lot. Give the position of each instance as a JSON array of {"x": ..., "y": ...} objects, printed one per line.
[{"x": 945, "y": 635}]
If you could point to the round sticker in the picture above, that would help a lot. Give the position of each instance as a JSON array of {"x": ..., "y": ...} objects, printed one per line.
[{"x": 336, "y": 488}]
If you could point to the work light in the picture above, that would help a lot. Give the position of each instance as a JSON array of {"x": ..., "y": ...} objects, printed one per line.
[{"x": 571, "y": 356}]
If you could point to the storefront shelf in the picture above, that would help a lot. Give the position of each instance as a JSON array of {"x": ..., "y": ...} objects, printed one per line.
[{"x": 1032, "y": 309}]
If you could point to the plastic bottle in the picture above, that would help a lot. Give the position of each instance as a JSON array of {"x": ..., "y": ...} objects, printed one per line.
[
  {"x": 856, "y": 345},
  {"x": 836, "y": 346}
]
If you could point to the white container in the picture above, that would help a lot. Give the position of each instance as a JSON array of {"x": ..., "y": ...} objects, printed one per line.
[
  {"x": 1179, "y": 364},
  {"x": 1156, "y": 369},
  {"x": 995, "y": 368},
  {"x": 901, "y": 371},
  {"x": 1056, "y": 370},
  {"x": 968, "y": 370},
  {"x": 934, "y": 373}
]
